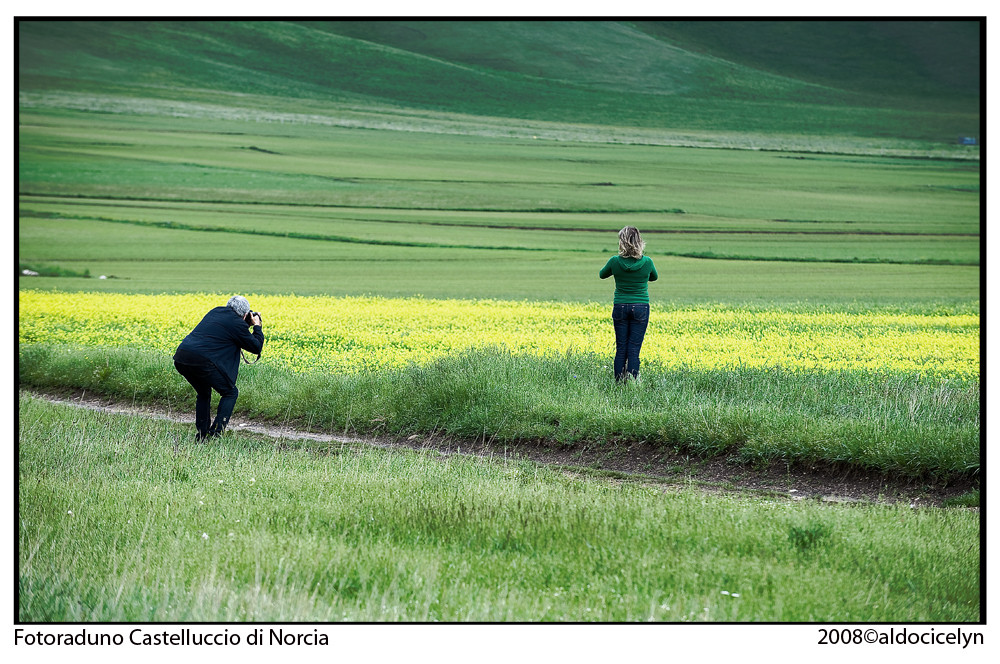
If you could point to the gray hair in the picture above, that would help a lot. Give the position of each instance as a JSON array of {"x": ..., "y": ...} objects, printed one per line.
[
  {"x": 630, "y": 243},
  {"x": 239, "y": 304}
]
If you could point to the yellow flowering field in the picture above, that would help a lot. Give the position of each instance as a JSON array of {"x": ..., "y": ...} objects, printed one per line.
[{"x": 343, "y": 334}]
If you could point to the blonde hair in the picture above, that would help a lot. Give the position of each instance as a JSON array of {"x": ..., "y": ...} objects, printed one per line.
[{"x": 630, "y": 243}]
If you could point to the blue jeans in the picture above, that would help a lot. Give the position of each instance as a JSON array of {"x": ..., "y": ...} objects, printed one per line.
[{"x": 630, "y": 328}]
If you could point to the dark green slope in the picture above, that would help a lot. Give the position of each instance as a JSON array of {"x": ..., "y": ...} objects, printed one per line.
[
  {"x": 675, "y": 76},
  {"x": 935, "y": 60},
  {"x": 439, "y": 64},
  {"x": 609, "y": 56}
]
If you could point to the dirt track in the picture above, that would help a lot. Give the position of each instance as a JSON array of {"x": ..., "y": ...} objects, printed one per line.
[{"x": 644, "y": 463}]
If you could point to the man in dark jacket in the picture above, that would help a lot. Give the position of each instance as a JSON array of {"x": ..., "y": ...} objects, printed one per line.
[{"x": 209, "y": 358}]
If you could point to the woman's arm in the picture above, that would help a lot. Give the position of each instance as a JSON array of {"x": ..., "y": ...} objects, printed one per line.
[{"x": 606, "y": 270}]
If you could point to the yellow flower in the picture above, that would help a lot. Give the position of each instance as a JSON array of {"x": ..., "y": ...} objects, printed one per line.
[{"x": 341, "y": 334}]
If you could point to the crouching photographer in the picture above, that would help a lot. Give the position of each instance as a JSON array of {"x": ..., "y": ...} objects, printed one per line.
[{"x": 209, "y": 358}]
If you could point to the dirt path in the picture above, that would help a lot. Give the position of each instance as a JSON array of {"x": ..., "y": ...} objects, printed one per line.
[{"x": 644, "y": 463}]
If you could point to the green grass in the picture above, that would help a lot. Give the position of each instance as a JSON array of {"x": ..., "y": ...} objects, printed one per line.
[
  {"x": 970, "y": 499},
  {"x": 124, "y": 519},
  {"x": 896, "y": 57},
  {"x": 592, "y": 73},
  {"x": 442, "y": 215},
  {"x": 505, "y": 275},
  {"x": 51, "y": 271},
  {"x": 195, "y": 160},
  {"x": 898, "y": 424},
  {"x": 39, "y": 223},
  {"x": 495, "y": 160}
]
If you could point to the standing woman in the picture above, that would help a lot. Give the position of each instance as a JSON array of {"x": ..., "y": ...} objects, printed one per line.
[{"x": 632, "y": 272}]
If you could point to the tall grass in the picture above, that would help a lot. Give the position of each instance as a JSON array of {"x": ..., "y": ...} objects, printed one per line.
[
  {"x": 893, "y": 423},
  {"x": 122, "y": 518}
]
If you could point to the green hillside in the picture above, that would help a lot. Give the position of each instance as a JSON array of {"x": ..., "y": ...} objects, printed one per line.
[
  {"x": 874, "y": 80},
  {"x": 937, "y": 61}
]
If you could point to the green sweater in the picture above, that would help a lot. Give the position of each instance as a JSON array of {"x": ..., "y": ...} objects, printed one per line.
[{"x": 631, "y": 276}]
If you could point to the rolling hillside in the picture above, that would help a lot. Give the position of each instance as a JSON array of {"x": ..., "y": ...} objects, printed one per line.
[{"x": 900, "y": 80}]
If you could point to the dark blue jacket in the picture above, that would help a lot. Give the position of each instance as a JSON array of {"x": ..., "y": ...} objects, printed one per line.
[{"x": 217, "y": 340}]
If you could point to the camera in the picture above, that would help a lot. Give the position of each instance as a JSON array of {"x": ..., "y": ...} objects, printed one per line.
[{"x": 249, "y": 317}]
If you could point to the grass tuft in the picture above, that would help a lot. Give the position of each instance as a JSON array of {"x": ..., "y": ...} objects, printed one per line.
[
  {"x": 127, "y": 519},
  {"x": 899, "y": 423}
]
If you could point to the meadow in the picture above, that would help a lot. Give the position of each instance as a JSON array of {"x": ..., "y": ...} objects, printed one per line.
[
  {"x": 887, "y": 392},
  {"x": 312, "y": 208},
  {"x": 842, "y": 333},
  {"x": 424, "y": 249},
  {"x": 764, "y": 84},
  {"x": 810, "y": 307},
  {"x": 122, "y": 520}
]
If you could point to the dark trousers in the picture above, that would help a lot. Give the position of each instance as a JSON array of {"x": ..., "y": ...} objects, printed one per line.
[
  {"x": 205, "y": 378},
  {"x": 630, "y": 322}
]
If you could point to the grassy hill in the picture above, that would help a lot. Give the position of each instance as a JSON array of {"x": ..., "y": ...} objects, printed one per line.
[
  {"x": 442, "y": 147},
  {"x": 937, "y": 61},
  {"x": 877, "y": 80}
]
